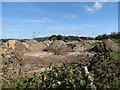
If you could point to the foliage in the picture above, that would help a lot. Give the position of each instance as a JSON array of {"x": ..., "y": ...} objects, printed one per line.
[
  {"x": 12, "y": 65},
  {"x": 68, "y": 75},
  {"x": 93, "y": 44},
  {"x": 103, "y": 70},
  {"x": 116, "y": 56},
  {"x": 116, "y": 40},
  {"x": 113, "y": 35},
  {"x": 106, "y": 70},
  {"x": 101, "y": 37},
  {"x": 71, "y": 46}
]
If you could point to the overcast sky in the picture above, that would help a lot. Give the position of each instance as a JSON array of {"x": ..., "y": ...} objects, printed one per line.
[{"x": 22, "y": 19}]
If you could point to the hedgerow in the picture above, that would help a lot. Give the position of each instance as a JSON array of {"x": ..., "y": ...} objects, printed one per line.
[{"x": 103, "y": 72}]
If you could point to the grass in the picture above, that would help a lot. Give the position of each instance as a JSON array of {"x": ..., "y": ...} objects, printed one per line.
[
  {"x": 116, "y": 56},
  {"x": 93, "y": 44},
  {"x": 116, "y": 40}
]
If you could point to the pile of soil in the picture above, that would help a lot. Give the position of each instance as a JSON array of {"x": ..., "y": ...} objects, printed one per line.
[
  {"x": 106, "y": 46},
  {"x": 34, "y": 45},
  {"x": 79, "y": 46},
  {"x": 31, "y": 41},
  {"x": 82, "y": 46},
  {"x": 58, "y": 47},
  {"x": 16, "y": 46}
]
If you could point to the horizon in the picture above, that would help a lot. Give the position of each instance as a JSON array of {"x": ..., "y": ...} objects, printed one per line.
[{"x": 90, "y": 19}]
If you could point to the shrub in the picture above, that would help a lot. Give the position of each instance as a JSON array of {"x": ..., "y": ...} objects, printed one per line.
[{"x": 103, "y": 73}]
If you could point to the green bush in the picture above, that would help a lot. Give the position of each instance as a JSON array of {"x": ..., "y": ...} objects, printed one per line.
[{"x": 103, "y": 70}]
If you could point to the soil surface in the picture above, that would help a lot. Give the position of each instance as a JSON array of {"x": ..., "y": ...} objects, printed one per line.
[{"x": 37, "y": 61}]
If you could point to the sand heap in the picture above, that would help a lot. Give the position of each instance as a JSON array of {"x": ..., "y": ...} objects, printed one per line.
[
  {"x": 57, "y": 47},
  {"x": 106, "y": 46},
  {"x": 31, "y": 45},
  {"x": 16, "y": 46},
  {"x": 34, "y": 45}
]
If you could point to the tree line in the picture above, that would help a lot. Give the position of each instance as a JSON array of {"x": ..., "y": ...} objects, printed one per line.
[{"x": 113, "y": 35}]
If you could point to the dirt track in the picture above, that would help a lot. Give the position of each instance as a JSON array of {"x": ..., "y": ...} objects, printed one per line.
[{"x": 37, "y": 61}]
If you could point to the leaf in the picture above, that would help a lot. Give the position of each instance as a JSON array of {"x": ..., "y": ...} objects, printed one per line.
[
  {"x": 72, "y": 81},
  {"x": 59, "y": 82},
  {"x": 78, "y": 78},
  {"x": 93, "y": 87},
  {"x": 82, "y": 82}
]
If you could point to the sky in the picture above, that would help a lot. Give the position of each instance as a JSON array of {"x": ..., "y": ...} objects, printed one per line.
[{"x": 41, "y": 19}]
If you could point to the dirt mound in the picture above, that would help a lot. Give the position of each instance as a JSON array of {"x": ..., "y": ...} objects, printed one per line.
[
  {"x": 78, "y": 46},
  {"x": 82, "y": 46},
  {"x": 31, "y": 41},
  {"x": 57, "y": 47},
  {"x": 106, "y": 46},
  {"x": 17, "y": 46},
  {"x": 34, "y": 45}
]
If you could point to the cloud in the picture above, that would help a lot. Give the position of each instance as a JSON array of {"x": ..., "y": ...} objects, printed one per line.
[
  {"x": 41, "y": 20},
  {"x": 44, "y": 19},
  {"x": 11, "y": 24},
  {"x": 105, "y": 0},
  {"x": 22, "y": 22},
  {"x": 95, "y": 7},
  {"x": 70, "y": 16},
  {"x": 58, "y": 31}
]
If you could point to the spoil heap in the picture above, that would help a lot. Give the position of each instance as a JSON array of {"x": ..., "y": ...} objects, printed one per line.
[
  {"x": 57, "y": 47},
  {"x": 16, "y": 46},
  {"x": 106, "y": 46},
  {"x": 34, "y": 45}
]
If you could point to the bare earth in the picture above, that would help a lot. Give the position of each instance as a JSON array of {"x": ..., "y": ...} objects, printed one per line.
[{"x": 37, "y": 61}]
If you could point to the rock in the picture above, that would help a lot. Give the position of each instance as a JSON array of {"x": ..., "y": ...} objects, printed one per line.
[
  {"x": 106, "y": 46},
  {"x": 57, "y": 47}
]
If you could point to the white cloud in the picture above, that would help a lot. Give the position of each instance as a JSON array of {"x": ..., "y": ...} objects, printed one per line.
[
  {"x": 95, "y": 7},
  {"x": 73, "y": 16},
  {"x": 41, "y": 20},
  {"x": 57, "y": 31},
  {"x": 105, "y": 0},
  {"x": 70, "y": 16},
  {"x": 65, "y": 16},
  {"x": 28, "y": 21},
  {"x": 45, "y": 19}
]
